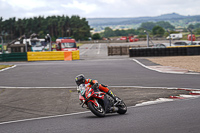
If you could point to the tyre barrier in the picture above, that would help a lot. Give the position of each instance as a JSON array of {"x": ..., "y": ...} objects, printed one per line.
[{"x": 170, "y": 51}]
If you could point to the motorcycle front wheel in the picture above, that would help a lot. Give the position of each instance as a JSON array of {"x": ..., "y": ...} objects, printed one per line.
[{"x": 98, "y": 111}]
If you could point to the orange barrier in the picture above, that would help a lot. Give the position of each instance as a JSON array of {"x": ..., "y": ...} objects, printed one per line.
[{"x": 67, "y": 55}]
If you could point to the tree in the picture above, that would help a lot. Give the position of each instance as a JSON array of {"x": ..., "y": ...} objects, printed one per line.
[
  {"x": 148, "y": 25},
  {"x": 197, "y": 31},
  {"x": 20, "y": 27},
  {"x": 56, "y": 26},
  {"x": 96, "y": 36},
  {"x": 191, "y": 26},
  {"x": 165, "y": 25},
  {"x": 108, "y": 32},
  {"x": 158, "y": 31},
  {"x": 197, "y": 25},
  {"x": 117, "y": 32}
]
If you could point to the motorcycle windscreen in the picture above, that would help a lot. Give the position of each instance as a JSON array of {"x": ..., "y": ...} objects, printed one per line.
[{"x": 82, "y": 89}]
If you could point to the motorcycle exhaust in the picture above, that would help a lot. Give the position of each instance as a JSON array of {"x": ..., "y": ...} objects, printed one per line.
[{"x": 114, "y": 109}]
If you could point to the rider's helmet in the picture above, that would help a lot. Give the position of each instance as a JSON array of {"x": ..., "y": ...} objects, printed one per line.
[{"x": 80, "y": 79}]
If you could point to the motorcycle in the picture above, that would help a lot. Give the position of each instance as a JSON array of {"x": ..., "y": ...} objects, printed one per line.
[{"x": 99, "y": 103}]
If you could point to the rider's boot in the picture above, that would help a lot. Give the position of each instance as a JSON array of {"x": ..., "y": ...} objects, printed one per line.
[
  {"x": 116, "y": 100},
  {"x": 104, "y": 88}
]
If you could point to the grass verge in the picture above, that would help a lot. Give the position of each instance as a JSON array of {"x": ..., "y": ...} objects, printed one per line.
[{"x": 4, "y": 66}]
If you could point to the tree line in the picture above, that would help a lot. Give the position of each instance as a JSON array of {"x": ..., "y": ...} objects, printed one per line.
[
  {"x": 158, "y": 29},
  {"x": 56, "y": 26}
]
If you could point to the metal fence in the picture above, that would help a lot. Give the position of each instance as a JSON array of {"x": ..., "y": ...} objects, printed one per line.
[
  {"x": 120, "y": 50},
  {"x": 6, "y": 57}
]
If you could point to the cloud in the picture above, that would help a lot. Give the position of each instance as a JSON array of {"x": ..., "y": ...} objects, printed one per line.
[
  {"x": 97, "y": 8},
  {"x": 83, "y": 6},
  {"x": 26, "y": 5}
]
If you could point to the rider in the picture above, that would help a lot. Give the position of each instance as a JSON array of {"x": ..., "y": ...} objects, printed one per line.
[{"x": 80, "y": 79}]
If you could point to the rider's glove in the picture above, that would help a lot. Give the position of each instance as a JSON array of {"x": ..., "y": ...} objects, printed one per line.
[
  {"x": 95, "y": 85},
  {"x": 78, "y": 90}
]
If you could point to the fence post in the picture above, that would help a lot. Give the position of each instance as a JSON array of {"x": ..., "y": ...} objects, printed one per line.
[
  {"x": 110, "y": 50},
  {"x": 120, "y": 50}
]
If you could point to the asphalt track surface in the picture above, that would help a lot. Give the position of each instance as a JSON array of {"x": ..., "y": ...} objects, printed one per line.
[
  {"x": 95, "y": 64},
  {"x": 181, "y": 116},
  {"x": 160, "y": 118},
  {"x": 114, "y": 72}
]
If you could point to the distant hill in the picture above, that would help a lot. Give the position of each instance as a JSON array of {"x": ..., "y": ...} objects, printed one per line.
[{"x": 174, "y": 18}]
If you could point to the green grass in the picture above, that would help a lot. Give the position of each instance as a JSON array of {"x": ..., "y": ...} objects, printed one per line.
[
  {"x": 79, "y": 44},
  {"x": 4, "y": 66}
]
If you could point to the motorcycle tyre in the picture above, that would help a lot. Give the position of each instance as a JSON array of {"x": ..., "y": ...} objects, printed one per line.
[
  {"x": 122, "y": 110},
  {"x": 95, "y": 111}
]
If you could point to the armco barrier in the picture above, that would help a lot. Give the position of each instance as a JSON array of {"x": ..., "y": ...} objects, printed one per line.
[
  {"x": 53, "y": 55},
  {"x": 13, "y": 57},
  {"x": 170, "y": 51},
  {"x": 40, "y": 56},
  {"x": 45, "y": 56},
  {"x": 75, "y": 55}
]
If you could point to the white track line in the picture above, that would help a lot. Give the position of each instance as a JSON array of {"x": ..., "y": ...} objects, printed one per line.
[
  {"x": 10, "y": 87},
  {"x": 74, "y": 87},
  {"x": 99, "y": 48},
  {"x": 39, "y": 118}
]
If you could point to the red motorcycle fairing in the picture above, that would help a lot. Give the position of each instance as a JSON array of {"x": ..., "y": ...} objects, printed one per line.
[
  {"x": 94, "y": 101},
  {"x": 99, "y": 95},
  {"x": 90, "y": 95},
  {"x": 81, "y": 98}
]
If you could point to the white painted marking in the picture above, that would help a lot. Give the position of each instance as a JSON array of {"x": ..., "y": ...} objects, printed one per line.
[
  {"x": 86, "y": 50},
  {"x": 189, "y": 96},
  {"x": 195, "y": 91},
  {"x": 7, "y": 68},
  {"x": 159, "y": 100},
  {"x": 99, "y": 49}
]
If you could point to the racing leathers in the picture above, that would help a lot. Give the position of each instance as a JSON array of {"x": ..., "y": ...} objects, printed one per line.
[{"x": 94, "y": 84}]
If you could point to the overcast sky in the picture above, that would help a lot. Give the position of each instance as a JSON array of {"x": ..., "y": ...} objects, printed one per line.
[{"x": 97, "y": 8}]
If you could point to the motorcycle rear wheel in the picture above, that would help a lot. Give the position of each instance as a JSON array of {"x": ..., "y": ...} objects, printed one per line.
[{"x": 100, "y": 112}]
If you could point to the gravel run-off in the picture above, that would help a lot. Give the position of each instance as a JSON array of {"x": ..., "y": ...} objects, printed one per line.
[{"x": 191, "y": 63}]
